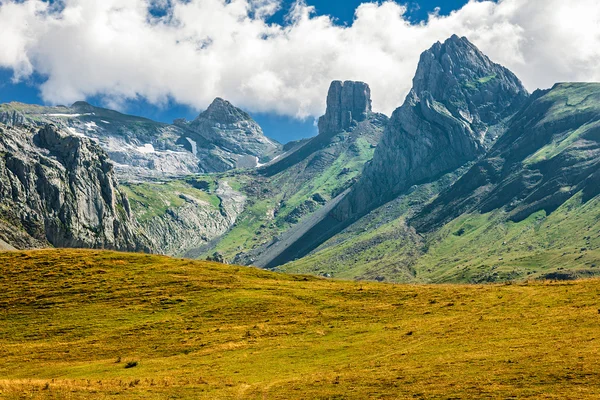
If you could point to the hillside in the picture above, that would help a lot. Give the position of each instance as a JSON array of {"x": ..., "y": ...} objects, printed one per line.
[
  {"x": 528, "y": 208},
  {"x": 297, "y": 187},
  {"x": 72, "y": 321}
]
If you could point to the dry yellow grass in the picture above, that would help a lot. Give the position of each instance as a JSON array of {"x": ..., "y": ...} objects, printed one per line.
[{"x": 71, "y": 320}]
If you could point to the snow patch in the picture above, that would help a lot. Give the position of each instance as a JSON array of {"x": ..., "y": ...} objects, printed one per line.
[
  {"x": 91, "y": 126},
  {"x": 67, "y": 115},
  {"x": 194, "y": 146},
  {"x": 74, "y": 132},
  {"x": 146, "y": 149}
]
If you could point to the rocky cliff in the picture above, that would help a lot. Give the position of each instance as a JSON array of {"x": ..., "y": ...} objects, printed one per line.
[
  {"x": 348, "y": 110},
  {"x": 347, "y": 103},
  {"x": 60, "y": 189},
  {"x": 550, "y": 152},
  {"x": 182, "y": 217},
  {"x": 456, "y": 108}
]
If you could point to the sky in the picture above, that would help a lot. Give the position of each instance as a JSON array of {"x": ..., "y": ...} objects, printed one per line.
[{"x": 166, "y": 59}]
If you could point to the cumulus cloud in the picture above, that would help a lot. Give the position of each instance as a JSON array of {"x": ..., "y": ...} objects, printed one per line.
[{"x": 196, "y": 50}]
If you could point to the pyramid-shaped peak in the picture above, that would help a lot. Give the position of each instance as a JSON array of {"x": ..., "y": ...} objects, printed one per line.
[
  {"x": 222, "y": 111},
  {"x": 456, "y": 70}
]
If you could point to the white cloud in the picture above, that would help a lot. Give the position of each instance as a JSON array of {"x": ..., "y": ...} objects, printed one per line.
[{"x": 202, "y": 49}]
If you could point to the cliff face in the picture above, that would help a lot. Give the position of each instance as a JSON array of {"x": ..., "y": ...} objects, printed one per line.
[
  {"x": 347, "y": 103},
  {"x": 458, "y": 106},
  {"x": 549, "y": 153},
  {"x": 348, "y": 114},
  {"x": 222, "y": 138},
  {"x": 60, "y": 189},
  {"x": 455, "y": 110}
]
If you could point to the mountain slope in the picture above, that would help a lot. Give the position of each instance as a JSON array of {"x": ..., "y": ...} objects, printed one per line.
[
  {"x": 141, "y": 148},
  {"x": 458, "y": 105},
  {"x": 550, "y": 152},
  {"x": 60, "y": 189},
  {"x": 73, "y": 320},
  {"x": 458, "y": 99},
  {"x": 231, "y": 134},
  {"x": 293, "y": 190},
  {"x": 528, "y": 209}
]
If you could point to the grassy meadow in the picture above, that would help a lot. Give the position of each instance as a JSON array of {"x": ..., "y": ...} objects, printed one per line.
[{"x": 78, "y": 324}]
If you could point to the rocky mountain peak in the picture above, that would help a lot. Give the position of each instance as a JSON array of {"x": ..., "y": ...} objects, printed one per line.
[
  {"x": 347, "y": 102},
  {"x": 459, "y": 76},
  {"x": 82, "y": 107},
  {"x": 224, "y": 112}
]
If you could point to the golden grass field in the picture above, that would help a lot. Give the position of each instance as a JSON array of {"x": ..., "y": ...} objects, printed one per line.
[{"x": 71, "y": 320}]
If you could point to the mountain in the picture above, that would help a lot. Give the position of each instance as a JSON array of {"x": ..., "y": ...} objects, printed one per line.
[
  {"x": 306, "y": 181},
  {"x": 458, "y": 105},
  {"x": 527, "y": 209},
  {"x": 60, "y": 189},
  {"x": 143, "y": 149},
  {"x": 233, "y": 136},
  {"x": 549, "y": 153},
  {"x": 471, "y": 180}
]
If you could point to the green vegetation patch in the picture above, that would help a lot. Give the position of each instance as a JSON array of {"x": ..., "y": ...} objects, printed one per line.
[
  {"x": 149, "y": 200},
  {"x": 480, "y": 81}
]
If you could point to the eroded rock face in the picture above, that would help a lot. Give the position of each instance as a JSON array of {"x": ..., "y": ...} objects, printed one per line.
[
  {"x": 60, "y": 189},
  {"x": 550, "y": 152},
  {"x": 454, "y": 111},
  {"x": 182, "y": 231},
  {"x": 457, "y": 108},
  {"x": 347, "y": 103}
]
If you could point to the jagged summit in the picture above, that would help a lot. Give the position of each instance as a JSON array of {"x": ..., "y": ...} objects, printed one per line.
[
  {"x": 458, "y": 75},
  {"x": 450, "y": 117},
  {"x": 347, "y": 102},
  {"x": 224, "y": 112}
]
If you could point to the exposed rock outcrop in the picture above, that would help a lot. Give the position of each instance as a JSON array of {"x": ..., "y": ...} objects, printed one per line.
[
  {"x": 348, "y": 110},
  {"x": 222, "y": 138},
  {"x": 347, "y": 103},
  {"x": 453, "y": 112},
  {"x": 60, "y": 189},
  {"x": 181, "y": 231},
  {"x": 11, "y": 118},
  {"x": 550, "y": 152}
]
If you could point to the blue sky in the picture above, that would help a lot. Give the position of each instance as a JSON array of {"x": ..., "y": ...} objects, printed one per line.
[{"x": 280, "y": 127}]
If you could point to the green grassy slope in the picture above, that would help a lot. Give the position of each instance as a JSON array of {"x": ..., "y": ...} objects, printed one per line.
[
  {"x": 278, "y": 202},
  {"x": 71, "y": 321},
  {"x": 473, "y": 248},
  {"x": 152, "y": 199},
  {"x": 529, "y": 208}
]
